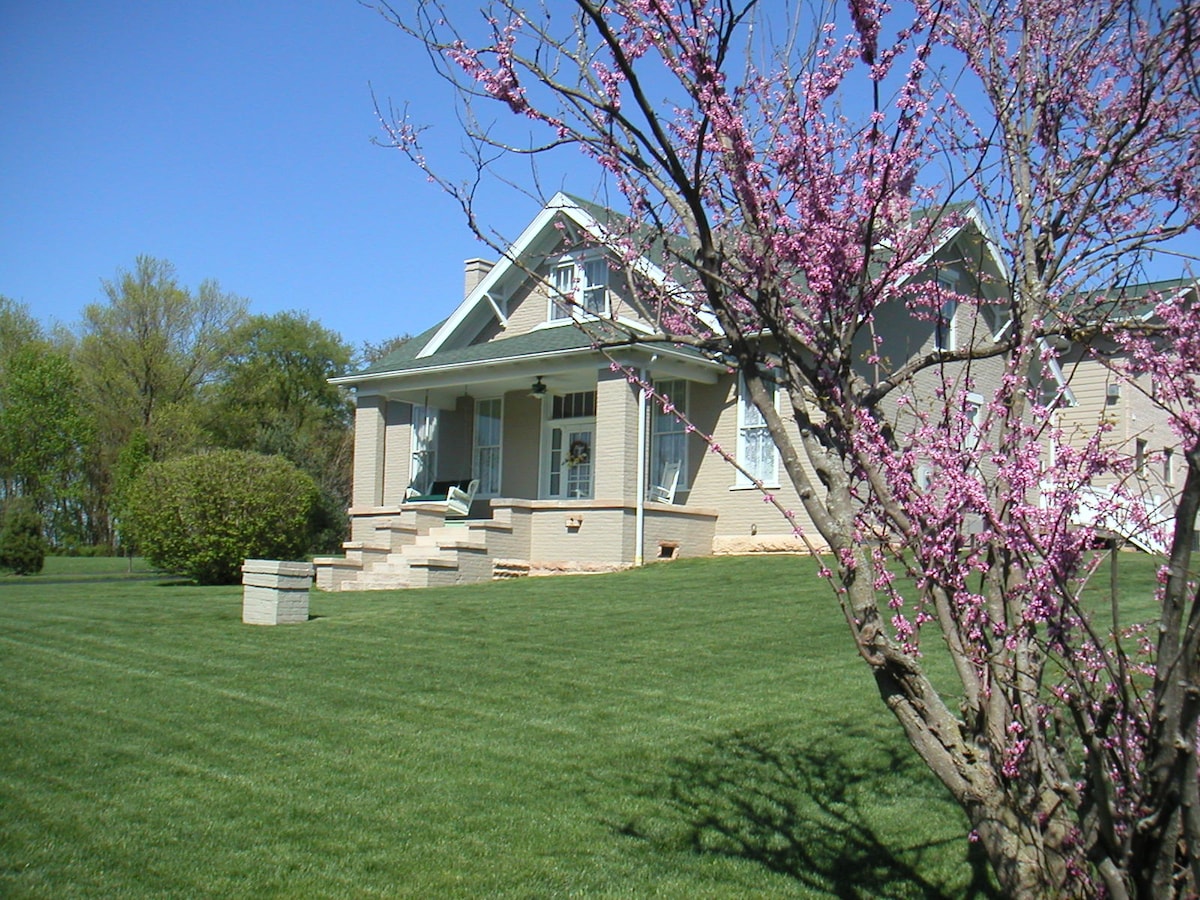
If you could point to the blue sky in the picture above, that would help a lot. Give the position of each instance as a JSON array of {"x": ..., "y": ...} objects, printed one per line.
[{"x": 233, "y": 139}]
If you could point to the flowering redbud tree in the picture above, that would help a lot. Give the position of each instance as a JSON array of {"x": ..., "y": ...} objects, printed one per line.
[{"x": 795, "y": 175}]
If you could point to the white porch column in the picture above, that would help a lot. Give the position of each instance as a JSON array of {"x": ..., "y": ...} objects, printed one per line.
[
  {"x": 369, "y": 451},
  {"x": 616, "y": 452}
]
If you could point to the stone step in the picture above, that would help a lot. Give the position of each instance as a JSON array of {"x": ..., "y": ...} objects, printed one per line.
[
  {"x": 431, "y": 560},
  {"x": 460, "y": 542}
]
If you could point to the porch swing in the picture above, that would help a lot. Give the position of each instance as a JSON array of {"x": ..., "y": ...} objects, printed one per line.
[{"x": 457, "y": 494}]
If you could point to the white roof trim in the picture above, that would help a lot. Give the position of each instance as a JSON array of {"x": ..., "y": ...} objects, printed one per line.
[
  {"x": 649, "y": 349},
  {"x": 496, "y": 309},
  {"x": 949, "y": 235},
  {"x": 1064, "y": 386},
  {"x": 560, "y": 203}
]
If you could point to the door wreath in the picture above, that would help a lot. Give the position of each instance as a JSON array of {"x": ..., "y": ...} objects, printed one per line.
[{"x": 579, "y": 453}]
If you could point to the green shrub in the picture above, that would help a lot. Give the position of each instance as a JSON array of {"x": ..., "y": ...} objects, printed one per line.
[
  {"x": 22, "y": 547},
  {"x": 202, "y": 515}
]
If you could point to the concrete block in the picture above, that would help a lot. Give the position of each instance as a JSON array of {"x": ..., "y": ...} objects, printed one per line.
[{"x": 275, "y": 592}]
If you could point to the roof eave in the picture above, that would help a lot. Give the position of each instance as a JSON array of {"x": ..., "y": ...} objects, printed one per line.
[{"x": 462, "y": 370}]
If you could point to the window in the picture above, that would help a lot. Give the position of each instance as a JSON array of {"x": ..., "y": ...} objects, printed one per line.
[
  {"x": 488, "y": 416},
  {"x": 1139, "y": 456},
  {"x": 582, "y": 284},
  {"x": 973, "y": 412},
  {"x": 668, "y": 435},
  {"x": 945, "y": 333},
  {"x": 1168, "y": 466},
  {"x": 424, "y": 448},
  {"x": 581, "y": 405},
  {"x": 755, "y": 451}
]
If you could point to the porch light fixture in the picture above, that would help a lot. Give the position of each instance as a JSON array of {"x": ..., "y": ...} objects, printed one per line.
[{"x": 537, "y": 389}]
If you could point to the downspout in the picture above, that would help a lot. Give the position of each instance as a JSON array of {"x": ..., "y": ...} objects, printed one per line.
[{"x": 640, "y": 508}]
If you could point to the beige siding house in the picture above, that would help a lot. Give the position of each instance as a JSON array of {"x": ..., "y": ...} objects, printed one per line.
[
  {"x": 1125, "y": 417},
  {"x": 509, "y": 439}
]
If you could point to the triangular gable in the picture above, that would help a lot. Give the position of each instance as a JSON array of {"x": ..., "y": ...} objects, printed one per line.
[
  {"x": 948, "y": 235},
  {"x": 593, "y": 220},
  {"x": 578, "y": 212}
]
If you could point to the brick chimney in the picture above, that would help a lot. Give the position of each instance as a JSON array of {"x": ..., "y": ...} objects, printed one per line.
[{"x": 474, "y": 272}]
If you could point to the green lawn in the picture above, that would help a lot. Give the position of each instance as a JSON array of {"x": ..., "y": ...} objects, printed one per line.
[
  {"x": 58, "y": 568},
  {"x": 692, "y": 729}
]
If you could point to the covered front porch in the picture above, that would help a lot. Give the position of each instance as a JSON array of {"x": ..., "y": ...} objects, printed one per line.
[{"x": 572, "y": 467}]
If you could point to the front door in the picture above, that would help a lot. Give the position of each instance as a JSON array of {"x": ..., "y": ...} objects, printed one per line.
[{"x": 569, "y": 459}]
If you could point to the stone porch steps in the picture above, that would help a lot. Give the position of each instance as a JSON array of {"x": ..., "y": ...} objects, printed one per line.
[{"x": 444, "y": 555}]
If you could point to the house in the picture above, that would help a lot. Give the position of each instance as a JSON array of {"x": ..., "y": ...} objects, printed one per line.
[
  {"x": 1126, "y": 417},
  {"x": 522, "y": 406}
]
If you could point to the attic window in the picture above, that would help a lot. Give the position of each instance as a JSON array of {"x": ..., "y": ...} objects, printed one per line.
[
  {"x": 945, "y": 335},
  {"x": 580, "y": 286}
]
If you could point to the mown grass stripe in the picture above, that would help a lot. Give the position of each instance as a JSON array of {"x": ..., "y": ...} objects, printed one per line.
[{"x": 696, "y": 729}]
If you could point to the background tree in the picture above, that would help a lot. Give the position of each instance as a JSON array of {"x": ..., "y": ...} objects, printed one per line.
[
  {"x": 44, "y": 433},
  {"x": 17, "y": 328},
  {"x": 44, "y": 438},
  {"x": 795, "y": 211},
  {"x": 142, "y": 357},
  {"x": 132, "y": 459},
  {"x": 374, "y": 351},
  {"x": 271, "y": 394}
]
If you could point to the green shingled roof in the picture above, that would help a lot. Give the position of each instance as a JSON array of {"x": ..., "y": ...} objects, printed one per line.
[
  {"x": 547, "y": 340},
  {"x": 538, "y": 342},
  {"x": 1118, "y": 302},
  {"x": 406, "y": 352}
]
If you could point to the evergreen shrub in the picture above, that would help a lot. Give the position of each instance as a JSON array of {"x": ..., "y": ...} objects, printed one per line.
[{"x": 22, "y": 545}]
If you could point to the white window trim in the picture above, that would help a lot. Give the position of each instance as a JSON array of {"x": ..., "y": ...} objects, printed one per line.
[
  {"x": 975, "y": 429},
  {"x": 947, "y": 281},
  {"x": 682, "y": 406},
  {"x": 423, "y": 416},
  {"x": 575, "y": 309},
  {"x": 475, "y": 447},
  {"x": 743, "y": 482}
]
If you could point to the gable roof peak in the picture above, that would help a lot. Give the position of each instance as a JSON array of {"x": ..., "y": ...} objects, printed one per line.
[{"x": 483, "y": 291}]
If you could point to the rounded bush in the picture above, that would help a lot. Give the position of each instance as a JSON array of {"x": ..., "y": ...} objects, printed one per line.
[
  {"x": 22, "y": 546},
  {"x": 202, "y": 515}
]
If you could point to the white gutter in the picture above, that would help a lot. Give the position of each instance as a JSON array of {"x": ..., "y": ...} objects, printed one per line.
[
  {"x": 460, "y": 370},
  {"x": 640, "y": 509},
  {"x": 455, "y": 367}
]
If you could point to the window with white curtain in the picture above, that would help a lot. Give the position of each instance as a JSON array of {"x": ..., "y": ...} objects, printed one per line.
[
  {"x": 580, "y": 286},
  {"x": 668, "y": 435},
  {"x": 755, "y": 450},
  {"x": 424, "y": 447},
  {"x": 488, "y": 417}
]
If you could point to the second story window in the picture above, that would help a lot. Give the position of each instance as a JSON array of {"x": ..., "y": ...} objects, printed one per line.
[
  {"x": 579, "y": 286},
  {"x": 945, "y": 334}
]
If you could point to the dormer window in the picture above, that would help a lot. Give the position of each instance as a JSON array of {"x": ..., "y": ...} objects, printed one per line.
[
  {"x": 580, "y": 287},
  {"x": 945, "y": 334}
]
